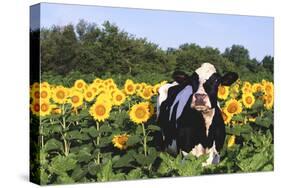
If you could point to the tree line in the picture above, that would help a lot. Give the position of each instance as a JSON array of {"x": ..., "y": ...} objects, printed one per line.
[{"x": 92, "y": 49}]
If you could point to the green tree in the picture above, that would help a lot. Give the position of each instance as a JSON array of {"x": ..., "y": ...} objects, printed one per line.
[
  {"x": 267, "y": 63},
  {"x": 237, "y": 54}
]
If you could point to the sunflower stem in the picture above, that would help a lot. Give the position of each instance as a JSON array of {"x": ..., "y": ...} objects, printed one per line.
[
  {"x": 65, "y": 142},
  {"x": 98, "y": 141},
  {"x": 66, "y": 146},
  {"x": 41, "y": 132},
  {"x": 144, "y": 140}
]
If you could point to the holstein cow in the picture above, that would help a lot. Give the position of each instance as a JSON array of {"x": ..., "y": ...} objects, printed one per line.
[{"x": 189, "y": 114}]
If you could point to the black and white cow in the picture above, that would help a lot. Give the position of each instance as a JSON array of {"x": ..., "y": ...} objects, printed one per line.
[{"x": 189, "y": 114}]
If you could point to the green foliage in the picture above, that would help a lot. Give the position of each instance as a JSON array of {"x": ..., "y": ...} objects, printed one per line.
[
  {"x": 257, "y": 154},
  {"x": 181, "y": 166}
]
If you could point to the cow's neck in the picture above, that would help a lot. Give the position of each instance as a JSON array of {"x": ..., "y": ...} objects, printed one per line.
[{"x": 208, "y": 118}]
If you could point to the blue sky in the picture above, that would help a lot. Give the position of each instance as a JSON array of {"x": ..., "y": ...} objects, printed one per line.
[{"x": 172, "y": 28}]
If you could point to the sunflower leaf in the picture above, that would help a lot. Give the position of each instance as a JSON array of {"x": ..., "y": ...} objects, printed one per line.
[
  {"x": 94, "y": 168},
  {"x": 124, "y": 161},
  {"x": 134, "y": 174},
  {"x": 93, "y": 132},
  {"x": 53, "y": 144},
  {"x": 77, "y": 135},
  {"x": 105, "y": 129},
  {"x": 105, "y": 174},
  {"x": 153, "y": 128},
  {"x": 132, "y": 140},
  {"x": 61, "y": 164}
]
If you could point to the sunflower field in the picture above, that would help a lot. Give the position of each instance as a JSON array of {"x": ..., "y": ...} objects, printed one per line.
[{"x": 101, "y": 130}]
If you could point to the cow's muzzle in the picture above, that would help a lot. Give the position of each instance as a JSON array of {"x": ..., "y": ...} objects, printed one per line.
[{"x": 200, "y": 99}]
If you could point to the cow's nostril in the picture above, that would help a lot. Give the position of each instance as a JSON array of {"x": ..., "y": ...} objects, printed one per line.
[{"x": 199, "y": 96}]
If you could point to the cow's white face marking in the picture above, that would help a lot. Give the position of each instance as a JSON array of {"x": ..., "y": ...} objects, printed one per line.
[{"x": 204, "y": 72}]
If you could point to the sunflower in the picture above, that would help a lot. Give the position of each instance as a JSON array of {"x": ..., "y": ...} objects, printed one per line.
[
  {"x": 118, "y": 97},
  {"x": 41, "y": 107},
  {"x": 89, "y": 94},
  {"x": 75, "y": 98},
  {"x": 223, "y": 92},
  {"x": 248, "y": 100},
  {"x": 268, "y": 101},
  {"x": 35, "y": 85},
  {"x": 233, "y": 107},
  {"x": 129, "y": 87},
  {"x": 156, "y": 88},
  {"x": 143, "y": 85},
  {"x": 110, "y": 81},
  {"x": 146, "y": 93},
  {"x": 94, "y": 88},
  {"x": 35, "y": 107},
  {"x": 247, "y": 87},
  {"x": 150, "y": 108},
  {"x": 45, "y": 85},
  {"x": 139, "y": 113},
  {"x": 35, "y": 93},
  {"x": 138, "y": 87},
  {"x": 120, "y": 141},
  {"x": 100, "y": 111},
  {"x": 98, "y": 81},
  {"x": 105, "y": 97},
  {"x": 268, "y": 87},
  {"x": 231, "y": 141},
  {"x": 234, "y": 91},
  {"x": 45, "y": 93},
  {"x": 112, "y": 87},
  {"x": 257, "y": 87},
  {"x": 45, "y": 108},
  {"x": 56, "y": 109},
  {"x": 60, "y": 94},
  {"x": 226, "y": 116},
  {"x": 101, "y": 87},
  {"x": 80, "y": 85}
]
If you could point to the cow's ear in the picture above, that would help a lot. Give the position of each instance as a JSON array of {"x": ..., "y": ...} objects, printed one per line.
[
  {"x": 229, "y": 78},
  {"x": 180, "y": 76}
]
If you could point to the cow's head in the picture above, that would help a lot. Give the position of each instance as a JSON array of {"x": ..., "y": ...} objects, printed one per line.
[{"x": 205, "y": 82}]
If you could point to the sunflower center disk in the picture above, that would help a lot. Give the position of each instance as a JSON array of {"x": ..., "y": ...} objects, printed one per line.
[
  {"x": 44, "y": 107},
  {"x": 44, "y": 94},
  {"x": 249, "y": 100},
  {"x": 37, "y": 107},
  {"x": 89, "y": 94},
  {"x": 75, "y": 99},
  {"x": 118, "y": 97},
  {"x": 60, "y": 94},
  {"x": 232, "y": 108},
  {"x": 100, "y": 110},
  {"x": 130, "y": 88},
  {"x": 140, "y": 113}
]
